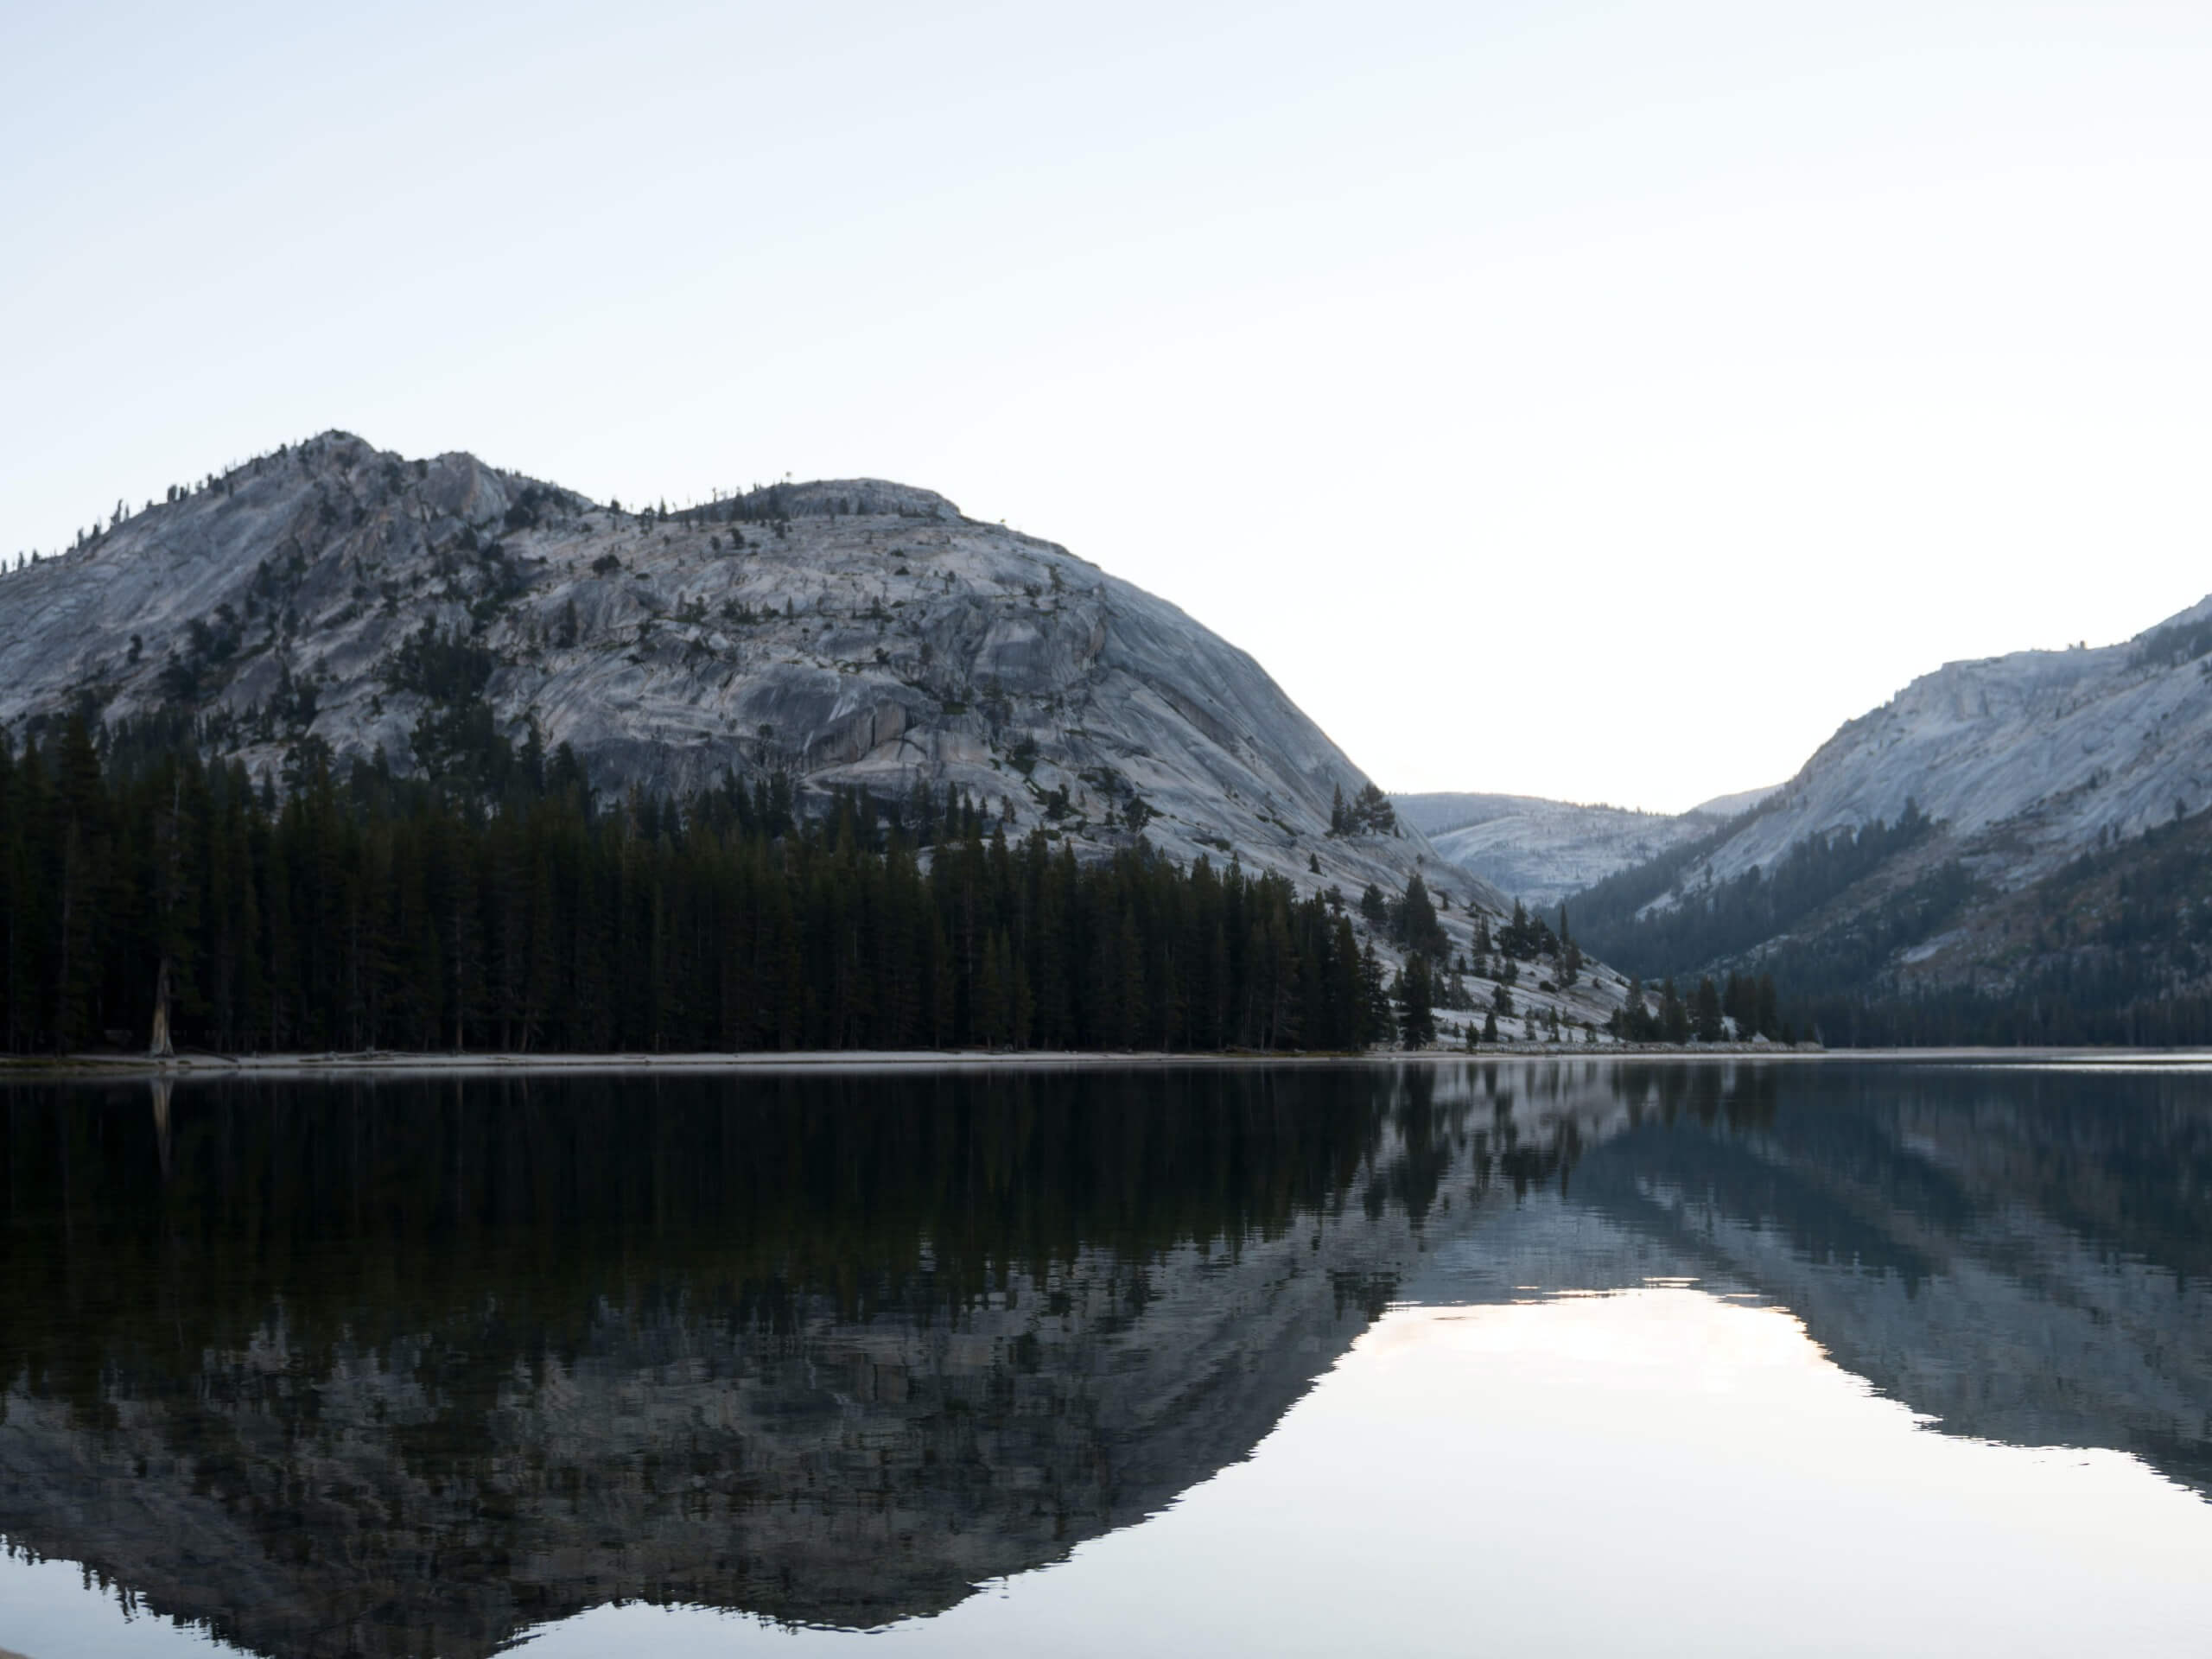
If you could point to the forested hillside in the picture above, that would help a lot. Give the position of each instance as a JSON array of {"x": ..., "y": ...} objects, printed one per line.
[
  {"x": 2115, "y": 947},
  {"x": 1717, "y": 922},
  {"x": 2008, "y": 850}
]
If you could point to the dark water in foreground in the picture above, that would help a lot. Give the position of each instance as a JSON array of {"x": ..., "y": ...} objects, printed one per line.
[{"x": 1526, "y": 1357}]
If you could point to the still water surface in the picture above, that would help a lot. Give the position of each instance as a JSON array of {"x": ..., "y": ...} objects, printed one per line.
[{"x": 1528, "y": 1357}]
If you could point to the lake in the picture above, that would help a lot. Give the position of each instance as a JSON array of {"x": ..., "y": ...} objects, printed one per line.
[{"x": 1530, "y": 1357}]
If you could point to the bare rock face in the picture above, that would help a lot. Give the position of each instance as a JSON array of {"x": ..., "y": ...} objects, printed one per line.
[
  {"x": 845, "y": 634},
  {"x": 852, "y": 633}
]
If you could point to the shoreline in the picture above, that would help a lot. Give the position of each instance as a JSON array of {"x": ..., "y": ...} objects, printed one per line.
[{"x": 493, "y": 1064}]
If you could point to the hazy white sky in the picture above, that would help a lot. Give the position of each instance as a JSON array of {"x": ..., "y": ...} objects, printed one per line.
[{"x": 1593, "y": 400}]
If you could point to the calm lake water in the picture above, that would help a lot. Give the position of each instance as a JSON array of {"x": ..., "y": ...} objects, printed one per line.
[{"x": 1524, "y": 1358}]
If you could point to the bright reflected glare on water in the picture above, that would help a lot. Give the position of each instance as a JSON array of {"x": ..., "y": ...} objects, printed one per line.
[{"x": 1654, "y": 1471}]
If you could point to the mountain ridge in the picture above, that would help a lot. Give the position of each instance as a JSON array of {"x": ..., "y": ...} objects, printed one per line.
[
  {"x": 501, "y": 558},
  {"x": 1981, "y": 842},
  {"x": 332, "y": 599},
  {"x": 1543, "y": 851}
]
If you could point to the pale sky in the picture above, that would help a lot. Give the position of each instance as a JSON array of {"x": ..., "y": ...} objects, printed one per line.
[{"x": 1601, "y": 401}]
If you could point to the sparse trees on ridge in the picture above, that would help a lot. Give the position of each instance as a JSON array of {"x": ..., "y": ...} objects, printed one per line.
[{"x": 1368, "y": 814}]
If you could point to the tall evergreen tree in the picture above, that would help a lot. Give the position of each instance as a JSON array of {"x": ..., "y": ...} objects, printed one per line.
[
  {"x": 1416, "y": 1000},
  {"x": 1706, "y": 1017},
  {"x": 1418, "y": 928}
]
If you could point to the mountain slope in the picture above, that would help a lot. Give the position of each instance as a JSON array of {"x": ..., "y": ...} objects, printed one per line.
[
  {"x": 851, "y": 632},
  {"x": 1926, "y": 847},
  {"x": 838, "y": 634},
  {"x": 2045, "y": 752}
]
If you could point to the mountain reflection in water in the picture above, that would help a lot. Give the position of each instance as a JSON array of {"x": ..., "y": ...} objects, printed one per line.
[{"x": 409, "y": 1367}]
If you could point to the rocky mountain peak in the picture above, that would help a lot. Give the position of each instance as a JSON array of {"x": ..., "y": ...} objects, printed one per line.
[
  {"x": 845, "y": 497},
  {"x": 331, "y": 597}
]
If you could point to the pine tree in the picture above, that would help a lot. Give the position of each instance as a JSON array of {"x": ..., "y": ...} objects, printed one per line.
[
  {"x": 1418, "y": 930},
  {"x": 1516, "y": 939},
  {"x": 1635, "y": 1018},
  {"x": 1378, "y": 1022},
  {"x": 1416, "y": 1003},
  {"x": 1706, "y": 1019},
  {"x": 1372, "y": 814}
]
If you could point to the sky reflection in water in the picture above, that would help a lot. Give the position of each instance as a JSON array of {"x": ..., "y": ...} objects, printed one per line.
[
  {"x": 1587, "y": 1423},
  {"x": 1652, "y": 1471}
]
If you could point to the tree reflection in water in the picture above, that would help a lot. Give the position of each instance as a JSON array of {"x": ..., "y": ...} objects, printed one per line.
[{"x": 400, "y": 1367}]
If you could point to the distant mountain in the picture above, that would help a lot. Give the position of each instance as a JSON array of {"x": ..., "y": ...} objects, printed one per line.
[
  {"x": 1727, "y": 806},
  {"x": 334, "y": 598},
  {"x": 1540, "y": 851},
  {"x": 2016, "y": 846}
]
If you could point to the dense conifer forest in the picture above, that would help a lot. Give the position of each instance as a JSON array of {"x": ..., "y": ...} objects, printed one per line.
[
  {"x": 2115, "y": 947},
  {"x": 349, "y": 909},
  {"x": 498, "y": 904}
]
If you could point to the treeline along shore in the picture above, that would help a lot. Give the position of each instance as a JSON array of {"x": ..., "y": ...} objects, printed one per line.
[{"x": 152, "y": 897}]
